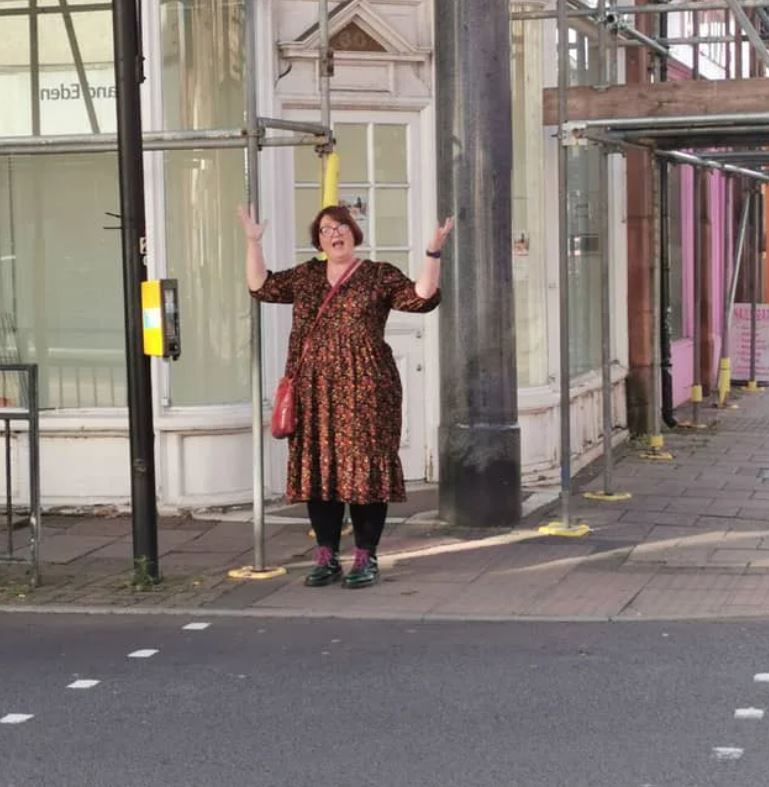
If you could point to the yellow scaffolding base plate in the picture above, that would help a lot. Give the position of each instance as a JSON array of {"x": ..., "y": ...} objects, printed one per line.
[
  {"x": 249, "y": 572},
  {"x": 557, "y": 529},
  {"x": 657, "y": 456},
  {"x": 607, "y": 497},
  {"x": 691, "y": 425}
]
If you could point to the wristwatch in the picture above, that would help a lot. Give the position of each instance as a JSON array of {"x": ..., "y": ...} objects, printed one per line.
[{"x": 436, "y": 255}]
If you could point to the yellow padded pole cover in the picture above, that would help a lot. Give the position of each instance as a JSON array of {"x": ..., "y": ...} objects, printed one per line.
[{"x": 330, "y": 193}]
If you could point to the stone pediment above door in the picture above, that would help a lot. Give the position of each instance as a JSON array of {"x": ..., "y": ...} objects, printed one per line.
[{"x": 357, "y": 33}]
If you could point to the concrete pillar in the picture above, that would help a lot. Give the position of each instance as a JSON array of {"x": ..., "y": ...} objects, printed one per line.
[{"x": 480, "y": 466}]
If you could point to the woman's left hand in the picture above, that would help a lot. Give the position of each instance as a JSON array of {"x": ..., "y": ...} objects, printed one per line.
[{"x": 441, "y": 233}]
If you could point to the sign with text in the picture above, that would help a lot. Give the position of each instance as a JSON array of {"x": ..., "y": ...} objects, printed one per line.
[{"x": 740, "y": 342}]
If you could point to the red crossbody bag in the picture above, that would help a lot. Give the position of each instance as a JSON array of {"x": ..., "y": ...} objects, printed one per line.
[{"x": 284, "y": 406}]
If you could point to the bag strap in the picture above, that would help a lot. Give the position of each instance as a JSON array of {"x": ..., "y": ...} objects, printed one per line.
[{"x": 324, "y": 305}]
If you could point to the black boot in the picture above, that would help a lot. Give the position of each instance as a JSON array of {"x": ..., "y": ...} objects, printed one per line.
[{"x": 327, "y": 569}]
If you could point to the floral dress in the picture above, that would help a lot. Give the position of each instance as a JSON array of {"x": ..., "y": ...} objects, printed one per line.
[{"x": 348, "y": 393}]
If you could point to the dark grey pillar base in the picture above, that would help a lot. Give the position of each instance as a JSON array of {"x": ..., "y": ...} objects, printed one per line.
[{"x": 480, "y": 475}]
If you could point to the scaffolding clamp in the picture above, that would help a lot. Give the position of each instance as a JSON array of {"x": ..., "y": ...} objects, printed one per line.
[{"x": 573, "y": 134}]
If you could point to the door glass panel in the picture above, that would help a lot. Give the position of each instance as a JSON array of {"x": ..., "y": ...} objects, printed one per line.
[
  {"x": 307, "y": 207},
  {"x": 390, "y": 154},
  {"x": 352, "y": 146},
  {"x": 306, "y": 165},
  {"x": 391, "y": 217}
]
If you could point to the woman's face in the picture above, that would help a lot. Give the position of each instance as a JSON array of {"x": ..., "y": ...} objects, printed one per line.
[{"x": 336, "y": 239}]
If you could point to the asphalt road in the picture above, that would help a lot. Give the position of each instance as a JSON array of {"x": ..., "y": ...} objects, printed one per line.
[{"x": 386, "y": 704}]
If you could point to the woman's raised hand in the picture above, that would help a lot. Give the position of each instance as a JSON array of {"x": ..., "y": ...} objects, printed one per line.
[
  {"x": 441, "y": 233},
  {"x": 252, "y": 230}
]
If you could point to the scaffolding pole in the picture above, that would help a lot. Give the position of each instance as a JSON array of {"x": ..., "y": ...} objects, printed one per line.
[
  {"x": 651, "y": 8},
  {"x": 755, "y": 259},
  {"x": 608, "y": 492},
  {"x": 564, "y": 527}
]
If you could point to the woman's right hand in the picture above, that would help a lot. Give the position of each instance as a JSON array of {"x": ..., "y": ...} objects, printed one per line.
[{"x": 252, "y": 230}]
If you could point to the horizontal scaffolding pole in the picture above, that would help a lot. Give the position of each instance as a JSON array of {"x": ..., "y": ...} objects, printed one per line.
[
  {"x": 678, "y": 156},
  {"x": 313, "y": 134},
  {"x": 652, "y": 8}
]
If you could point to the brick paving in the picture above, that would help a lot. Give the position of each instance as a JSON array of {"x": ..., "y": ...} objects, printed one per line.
[{"x": 692, "y": 542}]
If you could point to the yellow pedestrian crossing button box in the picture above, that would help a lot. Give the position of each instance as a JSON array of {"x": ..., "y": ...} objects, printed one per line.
[{"x": 160, "y": 318}]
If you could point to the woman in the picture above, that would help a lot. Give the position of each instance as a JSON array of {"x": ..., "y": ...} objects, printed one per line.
[{"x": 348, "y": 392}]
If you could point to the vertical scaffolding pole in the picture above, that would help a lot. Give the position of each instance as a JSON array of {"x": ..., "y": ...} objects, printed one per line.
[
  {"x": 736, "y": 266},
  {"x": 563, "y": 266},
  {"x": 696, "y": 394},
  {"x": 723, "y": 384},
  {"x": 656, "y": 293},
  {"x": 754, "y": 265},
  {"x": 608, "y": 493},
  {"x": 564, "y": 527},
  {"x": 259, "y": 569}
]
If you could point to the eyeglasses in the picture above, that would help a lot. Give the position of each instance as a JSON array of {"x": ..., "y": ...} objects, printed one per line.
[{"x": 327, "y": 230}]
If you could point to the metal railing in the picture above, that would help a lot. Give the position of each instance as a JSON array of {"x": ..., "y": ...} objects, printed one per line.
[{"x": 19, "y": 402}]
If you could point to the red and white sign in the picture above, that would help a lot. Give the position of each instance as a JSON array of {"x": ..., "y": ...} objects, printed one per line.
[{"x": 739, "y": 348}]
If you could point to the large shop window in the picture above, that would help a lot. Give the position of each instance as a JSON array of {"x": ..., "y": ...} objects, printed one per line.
[
  {"x": 374, "y": 184},
  {"x": 61, "y": 289},
  {"x": 202, "y": 84},
  {"x": 583, "y": 227}
]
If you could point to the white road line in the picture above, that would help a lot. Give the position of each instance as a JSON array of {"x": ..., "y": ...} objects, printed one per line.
[
  {"x": 142, "y": 654},
  {"x": 761, "y": 677},
  {"x": 749, "y": 713},
  {"x": 196, "y": 626},
  {"x": 16, "y": 718},
  {"x": 84, "y": 683},
  {"x": 727, "y": 752}
]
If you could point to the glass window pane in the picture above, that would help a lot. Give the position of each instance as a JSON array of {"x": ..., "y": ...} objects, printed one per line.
[
  {"x": 390, "y": 154},
  {"x": 66, "y": 104},
  {"x": 307, "y": 165},
  {"x": 307, "y": 205},
  {"x": 202, "y": 46},
  {"x": 205, "y": 253},
  {"x": 584, "y": 262},
  {"x": 391, "y": 217},
  {"x": 358, "y": 202},
  {"x": 15, "y": 81},
  {"x": 352, "y": 146},
  {"x": 65, "y": 307}
]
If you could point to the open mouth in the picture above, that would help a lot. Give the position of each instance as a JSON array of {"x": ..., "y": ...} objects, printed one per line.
[{"x": 337, "y": 244}]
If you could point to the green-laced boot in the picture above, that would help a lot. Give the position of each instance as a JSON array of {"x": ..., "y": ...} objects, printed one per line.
[
  {"x": 327, "y": 569},
  {"x": 364, "y": 571}
]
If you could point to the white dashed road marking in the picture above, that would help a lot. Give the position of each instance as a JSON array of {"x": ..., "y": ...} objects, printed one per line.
[
  {"x": 16, "y": 718},
  {"x": 84, "y": 684},
  {"x": 749, "y": 713},
  {"x": 727, "y": 752},
  {"x": 196, "y": 626},
  {"x": 142, "y": 654},
  {"x": 761, "y": 677}
]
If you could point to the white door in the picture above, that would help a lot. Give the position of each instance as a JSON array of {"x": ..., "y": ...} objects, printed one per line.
[{"x": 378, "y": 154}]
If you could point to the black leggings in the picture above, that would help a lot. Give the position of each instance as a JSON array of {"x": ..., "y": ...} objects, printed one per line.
[{"x": 327, "y": 517}]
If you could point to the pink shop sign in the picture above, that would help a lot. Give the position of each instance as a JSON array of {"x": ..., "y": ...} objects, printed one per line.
[{"x": 740, "y": 342}]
